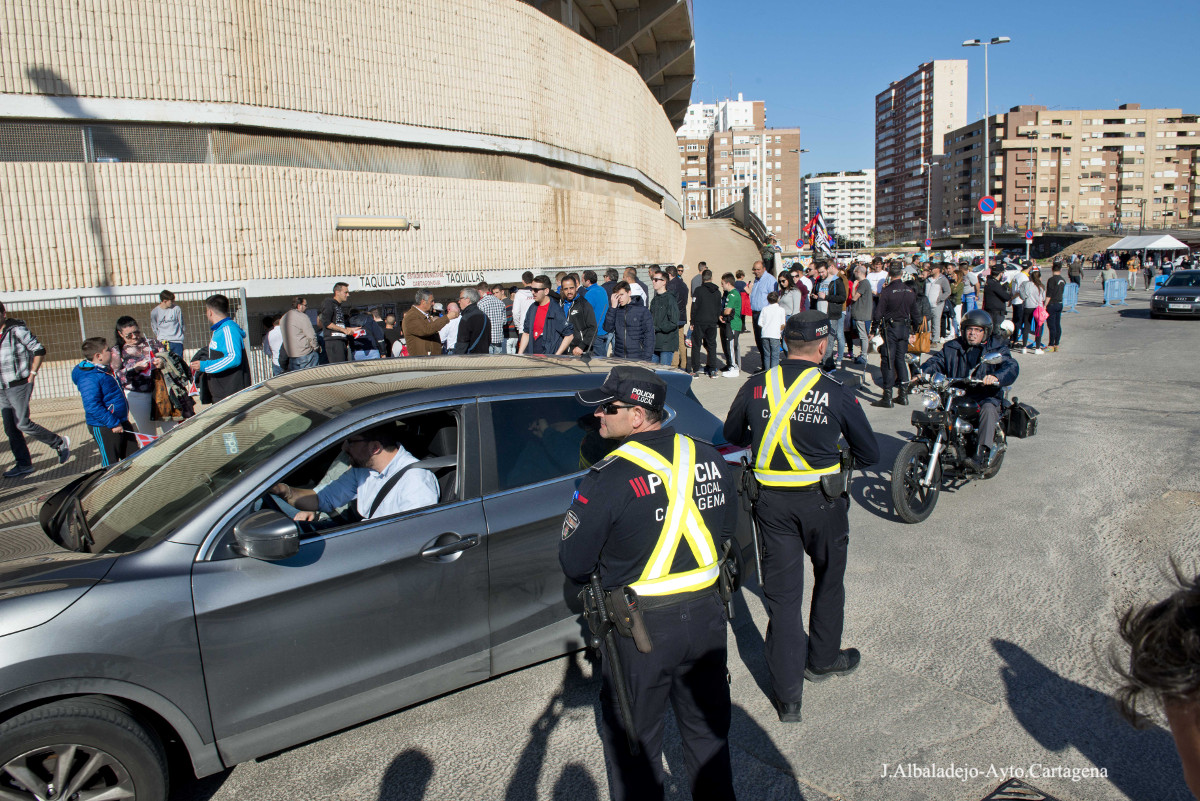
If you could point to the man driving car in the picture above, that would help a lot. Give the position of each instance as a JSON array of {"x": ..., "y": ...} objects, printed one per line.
[
  {"x": 959, "y": 357},
  {"x": 380, "y": 480}
]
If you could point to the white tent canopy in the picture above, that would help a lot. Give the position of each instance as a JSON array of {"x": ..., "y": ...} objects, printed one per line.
[{"x": 1155, "y": 242}]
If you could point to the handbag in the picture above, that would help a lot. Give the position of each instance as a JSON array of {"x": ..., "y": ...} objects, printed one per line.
[
  {"x": 1040, "y": 315},
  {"x": 923, "y": 340}
]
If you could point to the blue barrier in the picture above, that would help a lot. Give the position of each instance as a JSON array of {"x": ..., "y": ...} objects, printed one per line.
[
  {"x": 1071, "y": 297},
  {"x": 1115, "y": 291}
]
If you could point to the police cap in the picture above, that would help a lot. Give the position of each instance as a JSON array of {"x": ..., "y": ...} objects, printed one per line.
[
  {"x": 630, "y": 384},
  {"x": 895, "y": 269},
  {"x": 807, "y": 326}
]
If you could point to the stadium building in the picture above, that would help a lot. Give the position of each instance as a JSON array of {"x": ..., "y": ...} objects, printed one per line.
[{"x": 267, "y": 150}]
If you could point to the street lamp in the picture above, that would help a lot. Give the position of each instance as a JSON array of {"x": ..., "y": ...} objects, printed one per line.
[
  {"x": 987, "y": 134},
  {"x": 799, "y": 196},
  {"x": 1141, "y": 201},
  {"x": 925, "y": 165}
]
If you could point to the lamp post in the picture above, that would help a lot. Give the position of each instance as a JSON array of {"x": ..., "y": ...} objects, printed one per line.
[
  {"x": 1141, "y": 201},
  {"x": 987, "y": 135},
  {"x": 799, "y": 196},
  {"x": 925, "y": 165}
]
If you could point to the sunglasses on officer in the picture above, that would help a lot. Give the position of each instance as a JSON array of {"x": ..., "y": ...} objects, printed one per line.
[{"x": 613, "y": 408}]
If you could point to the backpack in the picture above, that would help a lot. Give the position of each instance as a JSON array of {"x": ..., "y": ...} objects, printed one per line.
[{"x": 746, "y": 303}]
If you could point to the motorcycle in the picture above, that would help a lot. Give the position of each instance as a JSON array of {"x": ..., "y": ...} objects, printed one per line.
[{"x": 947, "y": 430}]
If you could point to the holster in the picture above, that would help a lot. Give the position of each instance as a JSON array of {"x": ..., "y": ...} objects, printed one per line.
[
  {"x": 750, "y": 488},
  {"x": 626, "y": 617},
  {"x": 837, "y": 485},
  {"x": 730, "y": 579}
]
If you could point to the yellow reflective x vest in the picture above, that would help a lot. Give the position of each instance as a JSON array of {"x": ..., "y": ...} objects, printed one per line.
[
  {"x": 682, "y": 521},
  {"x": 778, "y": 437}
]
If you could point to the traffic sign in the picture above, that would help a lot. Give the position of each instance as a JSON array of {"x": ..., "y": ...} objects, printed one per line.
[
  {"x": 799, "y": 243},
  {"x": 928, "y": 244},
  {"x": 987, "y": 204},
  {"x": 1029, "y": 234}
]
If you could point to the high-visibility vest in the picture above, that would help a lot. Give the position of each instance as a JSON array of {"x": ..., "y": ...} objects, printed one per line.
[
  {"x": 778, "y": 437},
  {"x": 682, "y": 521}
]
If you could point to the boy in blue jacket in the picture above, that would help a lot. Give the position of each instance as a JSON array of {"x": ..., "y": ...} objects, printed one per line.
[{"x": 104, "y": 405}]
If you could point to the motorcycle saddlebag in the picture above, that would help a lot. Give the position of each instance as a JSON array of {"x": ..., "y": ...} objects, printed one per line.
[{"x": 1022, "y": 421}]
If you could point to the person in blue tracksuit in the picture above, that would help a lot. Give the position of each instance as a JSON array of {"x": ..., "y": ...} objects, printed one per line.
[
  {"x": 228, "y": 372},
  {"x": 631, "y": 324},
  {"x": 104, "y": 405}
]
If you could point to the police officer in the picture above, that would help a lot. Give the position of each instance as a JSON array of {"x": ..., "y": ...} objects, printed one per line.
[
  {"x": 653, "y": 516},
  {"x": 794, "y": 415},
  {"x": 898, "y": 315}
]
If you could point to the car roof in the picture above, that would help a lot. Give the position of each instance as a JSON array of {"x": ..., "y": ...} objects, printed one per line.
[{"x": 336, "y": 388}]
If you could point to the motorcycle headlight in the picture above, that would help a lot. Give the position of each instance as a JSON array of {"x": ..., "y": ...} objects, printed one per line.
[{"x": 930, "y": 401}]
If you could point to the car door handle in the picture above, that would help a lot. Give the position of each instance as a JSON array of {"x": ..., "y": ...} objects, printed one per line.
[{"x": 432, "y": 551}]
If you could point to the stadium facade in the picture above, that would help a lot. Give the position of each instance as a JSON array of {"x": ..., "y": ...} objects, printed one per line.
[{"x": 275, "y": 148}]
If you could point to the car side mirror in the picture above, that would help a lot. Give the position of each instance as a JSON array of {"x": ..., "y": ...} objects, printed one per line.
[
  {"x": 995, "y": 357},
  {"x": 267, "y": 535}
]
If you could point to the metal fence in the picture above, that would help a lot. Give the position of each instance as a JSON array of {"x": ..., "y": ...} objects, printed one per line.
[{"x": 62, "y": 324}]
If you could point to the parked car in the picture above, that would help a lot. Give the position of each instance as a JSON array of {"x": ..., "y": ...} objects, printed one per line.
[
  {"x": 1179, "y": 295},
  {"x": 1079, "y": 227},
  {"x": 169, "y": 602}
]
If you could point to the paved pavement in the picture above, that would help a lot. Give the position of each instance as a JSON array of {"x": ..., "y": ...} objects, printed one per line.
[{"x": 984, "y": 630}]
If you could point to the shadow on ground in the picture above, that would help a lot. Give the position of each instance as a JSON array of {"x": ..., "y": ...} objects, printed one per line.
[{"x": 1062, "y": 714}]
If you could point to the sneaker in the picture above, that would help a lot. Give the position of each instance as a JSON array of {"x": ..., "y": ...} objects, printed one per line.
[
  {"x": 788, "y": 713},
  {"x": 845, "y": 664},
  {"x": 19, "y": 471},
  {"x": 711, "y": 373},
  {"x": 860, "y": 359},
  {"x": 732, "y": 372},
  {"x": 64, "y": 453},
  {"x": 1038, "y": 351}
]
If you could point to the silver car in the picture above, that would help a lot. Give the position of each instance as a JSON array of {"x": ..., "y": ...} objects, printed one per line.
[{"x": 171, "y": 602}]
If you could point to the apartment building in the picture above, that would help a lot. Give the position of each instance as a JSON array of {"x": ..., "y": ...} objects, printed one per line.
[
  {"x": 1097, "y": 167},
  {"x": 846, "y": 200},
  {"x": 912, "y": 117},
  {"x": 767, "y": 160},
  {"x": 725, "y": 147}
]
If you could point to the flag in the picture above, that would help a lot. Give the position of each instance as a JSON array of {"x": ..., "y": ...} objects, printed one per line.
[
  {"x": 820, "y": 234},
  {"x": 143, "y": 439}
]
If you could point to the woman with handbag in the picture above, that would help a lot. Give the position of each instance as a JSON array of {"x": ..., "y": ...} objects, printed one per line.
[
  {"x": 136, "y": 359},
  {"x": 1033, "y": 298}
]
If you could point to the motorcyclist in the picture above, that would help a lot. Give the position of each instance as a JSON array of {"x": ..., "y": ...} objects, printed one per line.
[{"x": 959, "y": 357}]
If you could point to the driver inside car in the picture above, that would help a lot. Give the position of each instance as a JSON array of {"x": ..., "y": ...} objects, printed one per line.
[
  {"x": 959, "y": 357},
  {"x": 380, "y": 480}
]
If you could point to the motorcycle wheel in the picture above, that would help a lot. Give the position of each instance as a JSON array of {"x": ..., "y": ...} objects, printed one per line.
[{"x": 912, "y": 501}]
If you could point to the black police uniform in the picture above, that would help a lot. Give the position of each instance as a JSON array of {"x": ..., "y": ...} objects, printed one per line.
[
  {"x": 898, "y": 315},
  {"x": 794, "y": 516},
  {"x": 615, "y": 526}
]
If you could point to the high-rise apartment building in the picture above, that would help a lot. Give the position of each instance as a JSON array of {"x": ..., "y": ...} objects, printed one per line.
[
  {"x": 1091, "y": 167},
  {"x": 912, "y": 117},
  {"x": 725, "y": 147},
  {"x": 846, "y": 201}
]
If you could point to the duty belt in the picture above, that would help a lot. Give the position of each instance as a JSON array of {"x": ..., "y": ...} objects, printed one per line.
[{"x": 778, "y": 436}]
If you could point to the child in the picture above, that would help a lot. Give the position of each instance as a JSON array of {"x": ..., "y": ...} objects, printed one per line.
[
  {"x": 104, "y": 403},
  {"x": 770, "y": 322},
  {"x": 731, "y": 325}
]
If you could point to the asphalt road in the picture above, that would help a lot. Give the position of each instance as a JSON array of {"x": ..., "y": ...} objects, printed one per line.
[{"x": 984, "y": 630}]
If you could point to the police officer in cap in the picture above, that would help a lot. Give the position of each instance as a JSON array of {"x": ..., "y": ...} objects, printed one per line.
[
  {"x": 897, "y": 314},
  {"x": 794, "y": 415},
  {"x": 651, "y": 519}
]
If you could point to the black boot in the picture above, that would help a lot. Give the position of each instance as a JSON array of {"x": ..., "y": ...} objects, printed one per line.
[
  {"x": 902, "y": 397},
  {"x": 885, "y": 402}
]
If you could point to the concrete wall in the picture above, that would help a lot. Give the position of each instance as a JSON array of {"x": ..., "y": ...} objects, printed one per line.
[{"x": 490, "y": 68}]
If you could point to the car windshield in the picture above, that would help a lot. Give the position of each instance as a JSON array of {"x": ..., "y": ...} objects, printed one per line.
[
  {"x": 144, "y": 499},
  {"x": 1184, "y": 279}
]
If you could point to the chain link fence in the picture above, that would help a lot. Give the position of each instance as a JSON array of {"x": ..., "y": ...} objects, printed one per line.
[{"x": 62, "y": 324}]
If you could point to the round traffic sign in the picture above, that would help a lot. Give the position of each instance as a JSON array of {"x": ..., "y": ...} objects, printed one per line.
[
  {"x": 799, "y": 243},
  {"x": 1029, "y": 234},
  {"x": 928, "y": 243},
  {"x": 987, "y": 204}
]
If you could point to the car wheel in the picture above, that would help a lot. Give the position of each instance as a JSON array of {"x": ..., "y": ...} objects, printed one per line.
[{"x": 80, "y": 748}]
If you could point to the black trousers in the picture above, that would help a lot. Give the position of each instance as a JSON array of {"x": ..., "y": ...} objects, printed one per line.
[
  {"x": 762, "y": 353},
  {"x": 793, "y": 524},
  {"x": 891, "y": 358},
  {"x": 336, "y": 350},
  {"x": 706, "y": 333},
  {"x": 729, "y": 344},
  {"x": 997, "y": 316},
  {"x": 687, "y": 668}
]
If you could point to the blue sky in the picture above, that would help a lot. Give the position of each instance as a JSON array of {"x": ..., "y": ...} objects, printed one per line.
[{"x": 819, "y": 65}]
